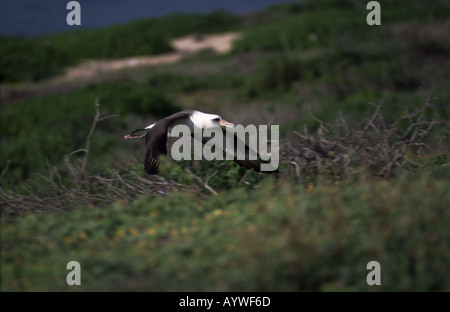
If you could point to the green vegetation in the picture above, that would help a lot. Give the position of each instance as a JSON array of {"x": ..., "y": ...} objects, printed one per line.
[
  {"x": 35, "y": 59},
  {"x": 39, "y": 131},
  {"x": 364, "y": 172},
  {"x": 280, "y": 237}
]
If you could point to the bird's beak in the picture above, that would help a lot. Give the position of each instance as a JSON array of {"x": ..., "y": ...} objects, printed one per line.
[{"x": 225, "y": 123}]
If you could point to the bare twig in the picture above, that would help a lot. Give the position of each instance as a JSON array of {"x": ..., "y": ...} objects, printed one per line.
[
  {"x": 242, "y": 180},
  {"x": 97, "y": 118},
  {"x": 8, "y": 163},
  {"x": 205, "y": 185},
  {"x": 87, "y": 148},
  {"x": 271, "y": 121},
  {"x": 297, "y": 171},
  {"x": 381, "y": 146}
]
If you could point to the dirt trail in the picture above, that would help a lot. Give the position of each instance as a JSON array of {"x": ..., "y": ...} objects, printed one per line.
[
  {"x": 221, "y": 43},
  {"x": 94, "y": 70}
]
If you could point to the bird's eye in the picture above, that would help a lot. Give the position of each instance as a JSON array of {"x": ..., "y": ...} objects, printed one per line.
[{"x": 216, "y": 119}]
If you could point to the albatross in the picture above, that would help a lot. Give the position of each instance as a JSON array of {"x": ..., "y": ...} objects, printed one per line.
[{"x": 157, "y": 133}]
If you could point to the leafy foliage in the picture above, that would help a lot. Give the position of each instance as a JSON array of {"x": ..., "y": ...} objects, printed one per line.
[
  {"x": 357, "y": 182},
  {"x": 318, "y": 238},
  {"x": 38, "y": 137},
  {"x": 272, "y": 75},
  {"x": 35, "y": 59}
]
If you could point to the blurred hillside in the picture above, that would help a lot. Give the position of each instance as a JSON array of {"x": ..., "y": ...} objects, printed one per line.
[{"x": 364, "y": 120}]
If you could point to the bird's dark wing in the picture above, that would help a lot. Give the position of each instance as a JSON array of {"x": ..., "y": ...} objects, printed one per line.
[
  {"x": 155, "y": 143},
  {"x": 242, "y": 156},
  {"x": 156, "y": 140}
]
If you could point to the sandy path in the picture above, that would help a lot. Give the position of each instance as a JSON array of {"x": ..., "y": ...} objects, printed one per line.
[
  {"x": 221, "y": 43},
  {"x": 92, "y": 70}
]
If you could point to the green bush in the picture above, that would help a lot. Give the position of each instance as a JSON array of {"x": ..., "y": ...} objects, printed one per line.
[
  {"x": 344, "y": 196},
  {"x": 28, "y": 59},
  {"x": 278, "y": 237},
  {"x": 35, "y": 59},
  {"x": 300, "y": 32},
  {"x": 31, "y": 137},
  {"x": 272, "y": 75}
]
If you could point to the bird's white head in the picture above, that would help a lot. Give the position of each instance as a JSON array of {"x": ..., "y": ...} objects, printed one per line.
[{"x": 204, "y": 120}]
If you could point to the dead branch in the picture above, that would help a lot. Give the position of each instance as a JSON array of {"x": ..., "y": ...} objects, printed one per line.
[
  {"x": 242, "y": 180},
  {"x": 8, "y": 163},
  {"x": 205, "y": 185},
  {"x": 374, "y": 143},
  {"x": 86, "y": 149}
]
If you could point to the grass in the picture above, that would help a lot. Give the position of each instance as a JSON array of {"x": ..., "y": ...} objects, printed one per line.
[
  {"x": 39, "y": 137},
  {"x": 35, "y": 59},
  {"x": 345, "y": 196},
  {"x": 224, "y": 243}
]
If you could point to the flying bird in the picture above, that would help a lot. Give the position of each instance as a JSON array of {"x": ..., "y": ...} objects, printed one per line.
[{"x": 156, "y": 136}]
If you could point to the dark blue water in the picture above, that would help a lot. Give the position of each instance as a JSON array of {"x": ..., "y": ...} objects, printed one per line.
[{"x": 32, "y": 18}]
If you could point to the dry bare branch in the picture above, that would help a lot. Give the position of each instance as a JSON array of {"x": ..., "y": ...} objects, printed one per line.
[
  {"x": 204, "y": 184},
  {"x": 374, "y": 143}
]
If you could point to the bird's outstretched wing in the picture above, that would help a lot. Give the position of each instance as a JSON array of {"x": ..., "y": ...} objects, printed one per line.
[
  {"x": 156, "y": 141},
  {"x": 242, "y": 156},
  {"x": 155, "y": 146}
]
